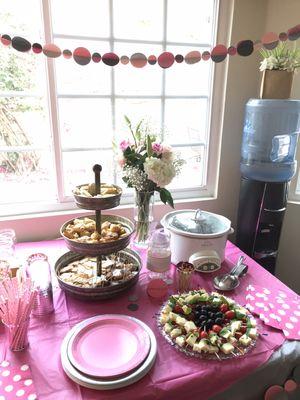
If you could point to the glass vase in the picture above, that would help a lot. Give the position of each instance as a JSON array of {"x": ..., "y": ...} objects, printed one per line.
[{"x": 143, "y": 216}]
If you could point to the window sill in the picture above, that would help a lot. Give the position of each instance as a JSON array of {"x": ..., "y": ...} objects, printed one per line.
[{"x": 46, "y": 225}]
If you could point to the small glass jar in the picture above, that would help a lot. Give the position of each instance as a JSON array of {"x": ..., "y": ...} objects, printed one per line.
[
  {"x": 38, "y": 270},
  {"x": 159, "y": 256},
  {"x": 7, "y": 251}
]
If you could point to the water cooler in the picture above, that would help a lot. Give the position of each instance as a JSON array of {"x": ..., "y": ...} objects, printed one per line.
[{"x": 271, "y": 129}]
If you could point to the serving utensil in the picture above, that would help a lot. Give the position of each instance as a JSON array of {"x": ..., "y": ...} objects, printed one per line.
[{"x": 231, "y": 280}]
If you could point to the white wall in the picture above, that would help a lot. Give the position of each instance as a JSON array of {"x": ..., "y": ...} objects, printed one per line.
[{"x": 280, "y": 16}]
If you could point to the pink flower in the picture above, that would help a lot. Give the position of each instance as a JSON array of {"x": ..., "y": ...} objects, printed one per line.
[
  {"x": 124, "y": 144},
  {"x": 121, "y": 161},
  {"x": 157, "y": 148}
]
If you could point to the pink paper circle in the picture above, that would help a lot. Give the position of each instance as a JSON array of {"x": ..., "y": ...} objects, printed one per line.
[
  {"x": 138, "y": 60},
  {"x": 272, "y": 391},
  {"x": 82, "y": 56},
  {"x": 37, "y": 48},
  {"x": 283, "y": 36},
  {"x": 193, "y": 57},
  {"x": 206, "y": 55},
  {"x": 290, "y": 385},
  {"x": 6, "y": 40},
  {"x": 152, "y": 59},
  {"x": 270, "y": 40},
  {"x": 166, "y": 59},
  {"x": 231, "y": 51},
  {"x": 67, "y": 54},
  {"x": 96, "y": 57},
  {"x": 124, "y": 60},
  {"x": 51, "y": 50},
  {"x": 219, "y": 53}
]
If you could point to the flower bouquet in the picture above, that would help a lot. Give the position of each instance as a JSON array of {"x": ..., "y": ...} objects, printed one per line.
[{"x": 148, "y": 166}]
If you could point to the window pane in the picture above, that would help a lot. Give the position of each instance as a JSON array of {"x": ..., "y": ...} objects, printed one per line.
[
  {"x": 18, "y": 17},
  {"x": 72, "y": 78},
  {"x": 24, "y": 122},
  {"x": 190, "y": 21},
  {"x": 192, "y": 172},
  {"x": 26, "y": 176},
  {"x": 137, "y": 81},
  {"x": 87, "y": 18},
  {"x": 85, "y": 123},
  {"x": 138, "y": 19},
  {"x": 185, "y": 120},
  {"x": 137, "y": 109},
  {"x": 78, "y": 168},
  {"x": 188, "y": 80}
]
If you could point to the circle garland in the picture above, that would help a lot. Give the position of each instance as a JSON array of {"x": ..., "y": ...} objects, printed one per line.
[{"x": 82, "y": 56}]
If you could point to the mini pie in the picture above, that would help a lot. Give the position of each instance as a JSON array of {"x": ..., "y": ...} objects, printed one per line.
[
  {"x": 208, "y": 323},
  {"x": 84, "y": 231},
  {"x": 83, "y": 273},
  {"x": 89, "y": 190}
]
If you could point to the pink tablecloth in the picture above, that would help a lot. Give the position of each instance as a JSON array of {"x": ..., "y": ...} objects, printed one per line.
[{"x": 174, "y": 376}]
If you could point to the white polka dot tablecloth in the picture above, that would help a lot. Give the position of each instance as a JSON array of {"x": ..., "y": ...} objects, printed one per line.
[
  {"x": 276, "y": 308},
  {"x": 16, "y": 382}
]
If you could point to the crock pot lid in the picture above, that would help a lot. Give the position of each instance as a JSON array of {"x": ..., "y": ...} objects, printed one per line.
[{"x": 197, "y": 221}]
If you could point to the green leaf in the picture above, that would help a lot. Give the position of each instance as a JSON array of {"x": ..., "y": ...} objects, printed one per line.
[{"x": 166, "y": 197}]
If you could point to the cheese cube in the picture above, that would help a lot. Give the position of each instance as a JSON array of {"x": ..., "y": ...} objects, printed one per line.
[
  {"x": 173, "y": 316},
  {"x": 213, "y": 349},
  {"x": 175, "y": 332},
  {"x": 235, "y": 326},
  {"x": 180, "y": 320},
  {"x": 203, "y": 346},
  {"x": 225, "y": 333},
  {"x": 227, "y": 348},
  {"x": 191, "y": 340},
  {"x": 245, "y": 340},
  {"x": 167, "y": 309},
  {"x": 180, "y": 340},
  {"x": 189, "y": 299},
  {"x": 253, "y": 333},
  {"x": 252, "y": 322},
  {"x": 232, "y": 340},
  {"x": 189, "y": 326},
  {"x": 168, "y": 327},
  {"x": 164, "y": 318}
]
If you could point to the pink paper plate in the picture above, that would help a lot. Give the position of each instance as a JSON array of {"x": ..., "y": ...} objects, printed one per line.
[{"x": 110, "y": 346}]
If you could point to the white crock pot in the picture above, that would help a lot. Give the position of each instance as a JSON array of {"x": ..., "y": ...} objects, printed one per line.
[{"x": 195, "y": 233}]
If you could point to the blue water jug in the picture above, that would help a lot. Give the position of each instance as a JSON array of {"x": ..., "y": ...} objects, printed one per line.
[{"x": 271, "y": 130}]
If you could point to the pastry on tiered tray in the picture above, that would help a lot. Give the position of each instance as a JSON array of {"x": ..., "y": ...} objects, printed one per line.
[{"x": 201, "y": 323}]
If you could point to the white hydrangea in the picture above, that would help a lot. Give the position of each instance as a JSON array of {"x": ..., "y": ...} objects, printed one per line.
[{"x": 159, "y": 171}]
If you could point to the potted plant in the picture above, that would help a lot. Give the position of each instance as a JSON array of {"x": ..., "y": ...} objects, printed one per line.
[{"x": 278, "y": 66}]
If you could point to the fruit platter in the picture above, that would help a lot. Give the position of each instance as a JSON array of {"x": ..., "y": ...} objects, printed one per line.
[{"x": 207, "y": 325}]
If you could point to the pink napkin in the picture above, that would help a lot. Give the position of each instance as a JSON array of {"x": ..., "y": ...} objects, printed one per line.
[
  {"x": 276, "y": 308},
  {"x": 16, "y": 382}
]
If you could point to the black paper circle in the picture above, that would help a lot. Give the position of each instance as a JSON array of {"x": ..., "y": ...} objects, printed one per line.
[
  {"x": 6, "y": 40},
  {"x": 165, "y": 59},
  {"x": 283, "y": 36},
  {"x": 294, "y": 33},
  {"x": 231, "y": 50},
  {"x": 179, "y": 58},
  {"x": 124, "y": 60},
  {"x": 96, "y": 57},
  {"x": 193, "y": 57},
  {"x": 245, "y": 48},
  {"x": 219, "y": 53},
  {"x": 206, "y": 55},
  {"x": 110, "y": 59},
  {"x": 138, "y": 60},
  {"x": 37, "y": 48},
  {"x": 67, "y": 54},
  {"x": 152, "y": 59},
  {"x": 20, "y": 44},
  {"x": 51, "y": 50},
  {"x": 82, "y": 56}
]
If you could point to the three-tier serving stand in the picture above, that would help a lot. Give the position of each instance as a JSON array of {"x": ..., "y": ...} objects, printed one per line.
[{"x": 118, "y": 247}]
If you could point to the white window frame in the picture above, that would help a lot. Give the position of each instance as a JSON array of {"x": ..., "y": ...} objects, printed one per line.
[
  {"x": 294, "y": 195},
  {"x": 222, "y": 33}
]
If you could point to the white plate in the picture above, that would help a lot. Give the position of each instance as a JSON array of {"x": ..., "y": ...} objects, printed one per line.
[{"x": 101, "y": 384}]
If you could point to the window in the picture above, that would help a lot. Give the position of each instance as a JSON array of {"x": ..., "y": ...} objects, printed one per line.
[{"x": 58, "y": 118}]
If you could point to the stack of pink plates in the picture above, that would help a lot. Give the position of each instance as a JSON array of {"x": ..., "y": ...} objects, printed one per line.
[{"x": 108, "y": 351}]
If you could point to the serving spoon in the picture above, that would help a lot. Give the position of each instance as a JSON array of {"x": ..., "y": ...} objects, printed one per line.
[{"x": 231, "y": 280}]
